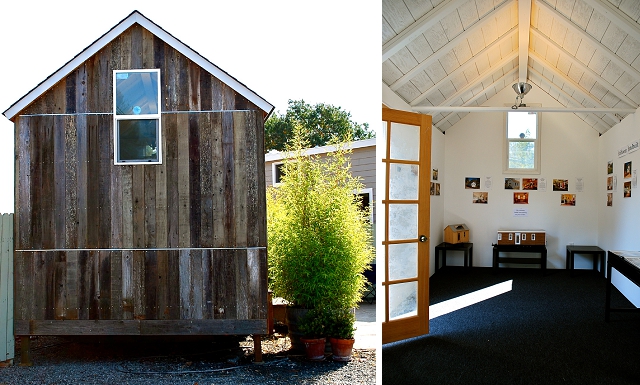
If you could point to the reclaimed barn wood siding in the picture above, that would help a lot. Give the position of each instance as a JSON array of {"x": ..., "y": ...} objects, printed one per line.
[{"x": 181, "y": 241}]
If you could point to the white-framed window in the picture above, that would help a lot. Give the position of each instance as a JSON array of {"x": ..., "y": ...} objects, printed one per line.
[
  {"x": 522, "y": 142},
  {"x": 136, "y": 114},
  {"x": 366, "y": 201},
  {"x": 277, "y": 171}
]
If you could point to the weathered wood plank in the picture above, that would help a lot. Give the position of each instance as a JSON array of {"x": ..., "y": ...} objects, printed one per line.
[
  {"x": 94, "y": 276},
  {"x": 116, "y": 285},
  {"x": 138, "y": 281},
  {"x": 126, "y": 175},
  {"x": 136, "y": 46},
  {"x": 241, "y": 181},
  {"x": 71, "y": 183},
  {"x": 48, "y": 183},
  {"x": 218, "y": 199},
  {"x": 60, "y": 284},
  {"x": 81, "y": 89},
  {"x": 138, "y": 200},
  {"x": 84, "y": 284},
  {"x": 141, "y": 327},
  {"x": 82, "y": 181},
  {"x": 127, "y": 284},
  {"x": 193, "y": 86},
  {"x": 206, "y": 181},
  {"x": 206, "y": 102},
  {"x": 23, "y": 178},
  {"x": 151, "y": 284},
  {"x": 224, "y": 284},
  {"x": 105, "y": 286},
  {"x": 93, "y": 188},
  {"x": 48, "y": 270},
  {"x": 229, "y": 179},
  {"x": 170, "y": 123},
  {"x": 174, "y": 284},
  {"x": 197, "y": 284},
  {"x": 161, "y": 208},
  {"x": 243, "y": 282},
  {"x": 72, "y": 284},
  {"x": 149, "y": 206},
  {"x": 162, "y": 291},
  {"x": 183, "y": 181},
  {"x": 207, "y": 285},
  {"x": 194, "y": 181},
  {"x": 104, "y": 180},
  {"x": 186, "y": 304},
  {"x": 70, "y": 94}
]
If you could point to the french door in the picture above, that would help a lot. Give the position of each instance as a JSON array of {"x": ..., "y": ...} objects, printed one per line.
[{"x": 406, "y": 163}]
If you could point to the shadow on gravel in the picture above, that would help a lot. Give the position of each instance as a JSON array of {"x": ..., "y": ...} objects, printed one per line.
[{"x": 169, "y": 360}]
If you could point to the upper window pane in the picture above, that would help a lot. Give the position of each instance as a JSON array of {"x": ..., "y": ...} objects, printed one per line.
[
  {"x": 522, "y": 125},
  {"x": 136, "y": 92}
]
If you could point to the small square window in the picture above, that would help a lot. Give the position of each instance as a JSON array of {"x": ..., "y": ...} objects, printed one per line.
[
  {"x": 136, "y": 111},
  {"x": 137, "y": 140}
]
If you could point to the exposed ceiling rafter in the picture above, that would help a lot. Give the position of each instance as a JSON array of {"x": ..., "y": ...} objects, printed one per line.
[
  {"x": 447, "y": 48},
  {"x": 610, "y": 87},
  {"x": 524, "y": 22},
  {"x": 421, "y": 25}
]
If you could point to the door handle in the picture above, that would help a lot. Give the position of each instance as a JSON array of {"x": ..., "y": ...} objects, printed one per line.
[{"x": 423, "y": 238}]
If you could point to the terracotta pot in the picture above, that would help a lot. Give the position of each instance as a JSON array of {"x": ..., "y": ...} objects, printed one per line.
[
  {"x": 314, "y": 348},
  {"x": 341, "y": 348}
]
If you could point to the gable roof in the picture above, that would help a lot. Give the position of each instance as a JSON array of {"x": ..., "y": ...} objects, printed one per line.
[
  {"x": 137, "y": 18},
  {"x": 449, "y": 57}
]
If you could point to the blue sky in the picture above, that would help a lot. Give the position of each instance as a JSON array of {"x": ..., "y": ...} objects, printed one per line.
[{"x": 322, "y": 52}]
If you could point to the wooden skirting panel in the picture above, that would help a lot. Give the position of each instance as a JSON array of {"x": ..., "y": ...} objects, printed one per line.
[
  {"x": 167, "y": 289},
  {"x": 140, "y": 327}
]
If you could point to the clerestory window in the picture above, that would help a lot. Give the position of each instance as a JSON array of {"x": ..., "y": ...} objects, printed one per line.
[
  {"x": 136, "y": 111},
  {"x": 522, "y": 142}
]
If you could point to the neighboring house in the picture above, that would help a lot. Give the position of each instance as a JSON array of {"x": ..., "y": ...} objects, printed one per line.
[
  {"x": 363, "y": 166},
  {"x": 140, "y": 194}
]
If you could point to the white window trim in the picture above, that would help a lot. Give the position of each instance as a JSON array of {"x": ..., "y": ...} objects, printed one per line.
[
  {"x": 368, "y": 191},
  {"x": 274, "y": 173},
  {"x": 505, "y": 152},
  {"x": 117, "y": 118}
]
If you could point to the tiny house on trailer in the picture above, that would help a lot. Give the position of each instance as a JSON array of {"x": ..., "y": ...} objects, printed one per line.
[{"x": 139, "y": 194}]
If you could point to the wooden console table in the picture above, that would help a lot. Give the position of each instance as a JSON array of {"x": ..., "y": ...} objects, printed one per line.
[
  {"x": 626, "y": 263},
  {"x": 538, "y": 249},
  {"x": 442, "y": 248}
]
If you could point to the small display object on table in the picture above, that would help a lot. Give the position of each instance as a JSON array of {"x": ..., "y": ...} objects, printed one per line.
[
  {"x": 521, "y": 237},
  {"x": 456, "y": 234}
]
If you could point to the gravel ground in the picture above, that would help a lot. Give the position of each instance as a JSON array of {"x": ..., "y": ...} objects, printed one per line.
[{"x": 123, "y": 360}]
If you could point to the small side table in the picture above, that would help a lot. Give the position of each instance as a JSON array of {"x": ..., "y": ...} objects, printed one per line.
[
  {"x": 442, "y": 248},
  {"x": 592, "y": 250}
]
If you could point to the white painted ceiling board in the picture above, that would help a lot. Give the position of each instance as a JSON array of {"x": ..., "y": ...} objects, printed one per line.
[{"x": 584, "y": 53}]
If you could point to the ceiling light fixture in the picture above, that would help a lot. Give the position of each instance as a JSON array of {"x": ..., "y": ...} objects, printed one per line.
[{"x": 521, "y": 90}]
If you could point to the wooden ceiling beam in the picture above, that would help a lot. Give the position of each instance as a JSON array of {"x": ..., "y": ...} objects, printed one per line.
[
  {"x": 616, "y": 16},
  {"x": 447, "y": 48},
  {"x": 421, "y": 25},
  {"x": 466, "y": 65},
  {"x": 617, "y": 60},
  {"x": 524, "y": 24},
  {"x": 624, "y": 98}
]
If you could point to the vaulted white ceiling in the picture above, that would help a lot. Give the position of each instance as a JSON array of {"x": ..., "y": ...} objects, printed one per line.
[{"x": 454, "y": 55}]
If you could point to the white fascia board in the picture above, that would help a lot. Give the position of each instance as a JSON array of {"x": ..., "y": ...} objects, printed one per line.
[
  {"x": 136, "y": 17},
  {"x": 274, "y": 156}
]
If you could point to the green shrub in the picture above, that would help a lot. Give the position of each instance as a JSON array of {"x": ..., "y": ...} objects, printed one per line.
[
  {"x": 341, "y": 324},
  {"x": 319, "y": 240}
]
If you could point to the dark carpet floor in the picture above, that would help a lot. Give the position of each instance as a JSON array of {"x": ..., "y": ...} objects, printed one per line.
[{"x": 547, "y": 330}]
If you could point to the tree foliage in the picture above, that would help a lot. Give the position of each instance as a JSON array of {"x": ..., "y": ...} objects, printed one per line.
[
  {"x": 319, "y": 240},
  {"x": 322, "y": 123}
]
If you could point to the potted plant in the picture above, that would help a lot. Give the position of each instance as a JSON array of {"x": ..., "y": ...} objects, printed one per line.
[
  {"x": 313, "y": 329},
  {"x": 341, "y": 328},
  {"x": 319, "y": 238}
]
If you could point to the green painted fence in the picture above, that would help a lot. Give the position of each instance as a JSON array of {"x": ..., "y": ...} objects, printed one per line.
[{"x": 7, "y": 341}]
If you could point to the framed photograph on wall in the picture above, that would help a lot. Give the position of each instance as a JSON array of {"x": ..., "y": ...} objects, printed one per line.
[
  {"x": 521, "y": 198},
  {"x": 610, "y": 183},
  {"x": 627, "y": 189},
  {"x": 434, "y": 174},
  {"x": 529, "y": 183},
  {"x": 627, "y": 170},
  {"x": 609, "y": 199},
  {"x": 610, "y": 167},
  {"x": 511, "y": 184},
  {"x": 567, "y": 199},
  {"x": 480, "y": 197},
  {"x": 560, "y": 185},
  {"x": 472, "y": 183}
]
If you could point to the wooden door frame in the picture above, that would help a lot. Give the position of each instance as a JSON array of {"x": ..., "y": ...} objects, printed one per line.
[{"x": 415, "y": 325}]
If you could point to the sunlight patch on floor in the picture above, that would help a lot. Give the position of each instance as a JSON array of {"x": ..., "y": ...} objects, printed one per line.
[{"x": 458, "y": 303}]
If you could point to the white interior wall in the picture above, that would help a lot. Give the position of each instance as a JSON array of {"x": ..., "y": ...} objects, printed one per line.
[
  {"x": 474, "y": 148},
  {"x": 437, "y": 201},
  {"x": 618, "y": 224}
]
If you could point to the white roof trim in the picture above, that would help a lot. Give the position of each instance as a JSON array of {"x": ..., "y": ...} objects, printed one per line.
[
  {"x": 133, "y": 18},
  {"x": 274, "y": 156}
]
